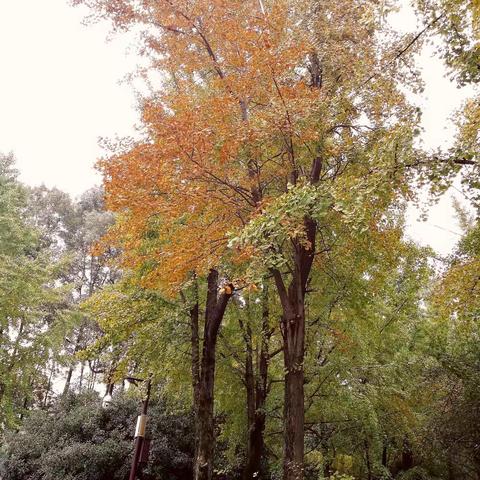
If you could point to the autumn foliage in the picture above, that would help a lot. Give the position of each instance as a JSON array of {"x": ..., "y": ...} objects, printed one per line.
[
  {"x": 277, "y": 128},
  {"x": 251, "y": 95}
]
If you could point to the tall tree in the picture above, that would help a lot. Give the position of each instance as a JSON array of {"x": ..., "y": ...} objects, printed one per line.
[
  {"x": 69, "y": 229},
  {"x": 30, "y": 302},
  {"x": 279, "y": 125},
  {"x": 453, "y": 342},
  {"x": 120, "y": 316}
]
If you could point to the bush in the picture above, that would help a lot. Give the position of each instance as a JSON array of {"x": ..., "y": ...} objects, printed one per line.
[{"x": 77, "y": 439}]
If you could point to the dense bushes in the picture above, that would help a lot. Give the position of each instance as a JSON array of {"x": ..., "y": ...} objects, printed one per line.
[{"x": 78, "y": 439}]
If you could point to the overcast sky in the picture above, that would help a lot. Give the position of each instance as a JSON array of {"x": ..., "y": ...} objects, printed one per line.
[{"x": 60, "y": 92}]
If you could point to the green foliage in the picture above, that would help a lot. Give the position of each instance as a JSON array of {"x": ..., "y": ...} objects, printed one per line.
[
  {"x": 30, "y": 302},
  {"x": 458, "y": 22},
  {"x": 79, "y": 440},
  {"x": 282, "y": 221},
  {"x": 452, "y": 334}
]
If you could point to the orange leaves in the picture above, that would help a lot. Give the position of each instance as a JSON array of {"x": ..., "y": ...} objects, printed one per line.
[{"x": 241, "y": 113}]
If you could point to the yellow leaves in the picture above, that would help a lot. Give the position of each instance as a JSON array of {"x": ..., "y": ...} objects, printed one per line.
[
  {"x": 238, "y": 112},
  {"x": 476, "y": 16},
  {"x": 459, "y": 291}
]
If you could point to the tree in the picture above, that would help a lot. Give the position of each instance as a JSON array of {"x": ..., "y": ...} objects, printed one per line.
[
  {"x": 453, "y": 334},
  {"x": 277, "y": 123},
  {"x": 69, "y": 230},
  {"x": 143, "y": 332},
  {"x": 119, "y": 316},
  {"x": 364, "y": 361},
  {"x": 30, "y": 303}
]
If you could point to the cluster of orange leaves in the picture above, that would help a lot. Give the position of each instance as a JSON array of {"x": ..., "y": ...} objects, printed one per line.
[{"x": 236, "y": 114}]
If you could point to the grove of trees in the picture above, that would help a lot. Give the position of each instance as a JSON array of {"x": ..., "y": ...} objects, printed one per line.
[{"x": 247, "y": 253}]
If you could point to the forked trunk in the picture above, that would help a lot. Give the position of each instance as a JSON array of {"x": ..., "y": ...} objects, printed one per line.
[
  {"x": 293, "y": 331},
  {"x": 292, "y": 300},
  {"x": 214, "y": 312}
]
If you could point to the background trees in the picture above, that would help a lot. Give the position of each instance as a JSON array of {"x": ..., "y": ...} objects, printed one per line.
[{"x": 29, "y": 302}]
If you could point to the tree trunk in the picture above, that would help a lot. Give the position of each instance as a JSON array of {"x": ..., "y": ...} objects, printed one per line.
[
  {"x": 385, "y": 454},
  {"x": 80, "y": 380},
  {"x": 407, "y": 455},
  {"x": 252, "y": 440},
  {"x": 293, "y": 332},
  {"x": 49, "y": 385},
  {"x": 68, "y": 380},
  {"x": 368, "y": 461},
  {"x": 77, "y": 347},
  {"x": 215, "y": 309},
  {"x": 194, "y": 313},
  {"x": 257, "y": 390},
  {"x": 195, "y": 339},
  {"x": 294, "y": 419}
]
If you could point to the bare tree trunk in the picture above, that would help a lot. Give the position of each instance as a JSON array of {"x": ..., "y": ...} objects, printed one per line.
[
  {"x": 257, "y": 390},
  {"x": 49, "y": 385},
  {"x": 407, "y": 455},
  {"x": 368, "y": 461},
  {"x": 293, "y": 332},
  {"x": 80, "y": 381},
  {"x": 194, "y": 313},
  {"x": 215, "y": 309},
  {"x": 195, "y": 344},
  {"x": 68, "y": 380},
  {"x": 109, "y": 388},
  {"x": 294, "y": 416},
  {"x": 77, "y": 346},
  {"x": 385, "y": 453}
]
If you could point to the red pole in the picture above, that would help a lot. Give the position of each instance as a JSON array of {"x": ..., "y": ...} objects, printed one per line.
[{"x": 140, "y": 433}]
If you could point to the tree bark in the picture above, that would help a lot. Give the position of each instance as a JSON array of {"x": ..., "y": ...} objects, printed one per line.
[
  {"x": 195, "y": 339},
  {"x": 385, "y": 454},
  {"x": 215, "y": 309},
  {"x": 368, "y": 461},
  {"x": 194, "y": 313},
  {"x": 257, "y": 390},
  {"x": 293, "y": 331},
  {"x": 407, "y": 455},
  {"x": 294, "y": 418},
  {"x": 68, "y": 380},
  {"x": 77, "y": 347}
]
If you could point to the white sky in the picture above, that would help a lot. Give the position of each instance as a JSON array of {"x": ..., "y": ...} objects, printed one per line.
[{"x": 60, "y": 92}]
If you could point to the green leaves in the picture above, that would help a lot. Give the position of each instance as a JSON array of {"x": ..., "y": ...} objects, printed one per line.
[
  {"x": 281, "y": 221},
  {"x": 29, "y": 301},
  {"x": 79, "y": 440}
]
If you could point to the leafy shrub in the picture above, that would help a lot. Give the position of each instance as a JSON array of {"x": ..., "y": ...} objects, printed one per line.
[{"x": 79, "y": 440}]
